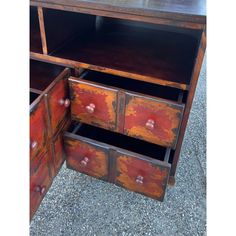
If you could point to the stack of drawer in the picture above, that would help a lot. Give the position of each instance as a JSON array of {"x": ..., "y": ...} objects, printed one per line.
[
  {"x": 49, "y": 107},
  {"x": 122, "y": 115},
  {"x": 129, "y": 135}
]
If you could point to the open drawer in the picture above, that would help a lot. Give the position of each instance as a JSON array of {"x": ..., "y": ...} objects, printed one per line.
[
  {"x": 131, "y": 163},
  {"x": 150, "y": 112},
  {"x": 51, "y": 81}
]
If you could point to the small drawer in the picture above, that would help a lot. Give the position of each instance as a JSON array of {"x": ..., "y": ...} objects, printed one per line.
[
  {"x": 86, "y": 157},
  {"x": 145, "y": 111},
  {"x": 154, "y": 120},
  {"x": 142, "y": 175},
  {"x": 51, "y": 81},
  {"x": 38, "y": 125},
  {"x": 40, "y": 182},
  {"x": 131, "y": 163},
  {"x": 93, "y": 104}
]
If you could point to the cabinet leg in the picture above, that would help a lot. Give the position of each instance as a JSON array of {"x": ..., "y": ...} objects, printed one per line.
[{"x": 171, "y": 181}]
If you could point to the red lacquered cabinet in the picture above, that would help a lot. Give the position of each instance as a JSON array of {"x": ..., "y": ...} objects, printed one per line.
[{"x": 111, "y": 89}]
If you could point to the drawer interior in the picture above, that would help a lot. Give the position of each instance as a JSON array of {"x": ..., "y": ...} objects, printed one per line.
[
  {"x": 42, "y": 75},
  {"x": 125, "y": 45},
  {"x": 133, "y": 85},
  {"x": 119, "y": 140},
  {"x": 35, "y": 37}
]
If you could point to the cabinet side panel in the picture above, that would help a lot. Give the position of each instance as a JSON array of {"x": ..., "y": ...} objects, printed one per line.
[{"x": 193, "y": 85}]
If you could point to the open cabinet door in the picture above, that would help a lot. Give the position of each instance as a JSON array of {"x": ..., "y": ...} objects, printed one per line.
[{"x": 49, "y": 110}]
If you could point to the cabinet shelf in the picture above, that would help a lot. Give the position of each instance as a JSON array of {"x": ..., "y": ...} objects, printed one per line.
[{"x": 138, "y": 52}]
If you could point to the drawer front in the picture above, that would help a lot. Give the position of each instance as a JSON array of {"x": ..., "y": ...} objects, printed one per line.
[
  {"x": 58, "y": 153},
  {"x": 40, "y": 182},
  {"x": 35, "y": 162},
  {"x": 93, "y": 104},
  {"x": 142, "y": 176},
  {"x": 156, "y": 121},
  {"x": 87, "y": 158},
  {"x": 58, "y": 100},
  {"x": 38, "y": 128}
]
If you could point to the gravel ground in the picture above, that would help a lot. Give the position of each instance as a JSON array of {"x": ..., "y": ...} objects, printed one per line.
[{"x": 77, "y": 204}]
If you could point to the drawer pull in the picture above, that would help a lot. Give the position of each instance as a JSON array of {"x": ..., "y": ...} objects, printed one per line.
[
  {"x": 85, "y": 161},
  {"x": 64, "y": 102},
  {"x": 33, "y": 145},
  {"x": 90, "y": 108},
  {"x": 150, "y": 124},
  {"x": 40, "y": 189},
  {"x": 139, "y": 179}
]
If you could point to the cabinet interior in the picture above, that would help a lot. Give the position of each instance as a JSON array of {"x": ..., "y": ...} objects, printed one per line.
[
  {"x": 119, "y": 140},
  {"x": 33, "y": 97},
  {"x": 139, "y": 48},
  {"x": 42, "y": 75},
  {"x": 132, "y": 85},
  {"x": 35, "y": 37}
]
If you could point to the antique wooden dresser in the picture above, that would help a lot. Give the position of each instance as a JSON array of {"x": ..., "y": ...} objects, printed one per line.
[{"x": 111, "y": 88}]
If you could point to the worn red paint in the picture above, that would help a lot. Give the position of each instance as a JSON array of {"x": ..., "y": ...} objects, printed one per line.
[
  {"x": 154, "y": 176},
  {"x": 160, "y": 117},
  {"x": 38, "y": 128},
  {"x": 58, "y": 154},
  {"x": 42, "y": 179},
  {"x": 97, "y": 164},
  {"x": 166, "y": 118},
  {"x": 104, "y": 102},
  {"x": 58, "y": 112}
]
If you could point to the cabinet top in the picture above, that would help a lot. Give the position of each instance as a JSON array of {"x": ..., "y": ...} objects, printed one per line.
[{"x": 183, "y": 10}]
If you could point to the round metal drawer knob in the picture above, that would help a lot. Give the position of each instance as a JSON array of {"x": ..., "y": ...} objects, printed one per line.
[
  {"x": 139, "y": 179},
  {"x": 85, "y": 161},
  {"x": 90, "y": 108},
  {"x": 150, "y": 124},
  {"x": 33, "y": 145},
  {"x": 64, "y": 102},
  {"x": 40, "y": 190}
]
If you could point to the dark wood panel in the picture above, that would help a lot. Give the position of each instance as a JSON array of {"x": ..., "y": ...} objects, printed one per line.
[
  {"x": 61, "y": 26},
  {"x": 42, "y": 30},
  {"x": 77, "y": 64},
  {"x": 42, "y": 74},
  {"x": 35, "y": 37},
  {"x": 194, "y": 81},
  {"x": 154, "y": 54},
  {"x": 186, "y": 10}
]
